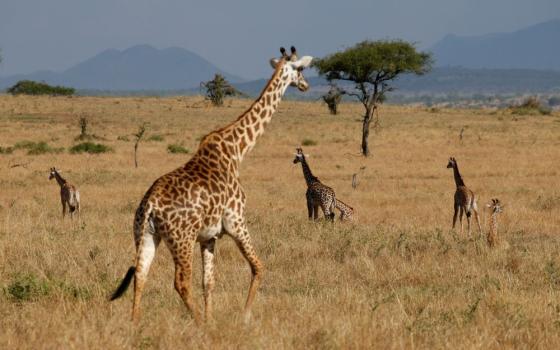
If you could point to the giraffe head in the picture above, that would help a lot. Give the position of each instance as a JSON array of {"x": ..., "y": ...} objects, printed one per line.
[
  {"x": 495, "y": 205},
  {"x": 292, "y": 68},
  {"x": 452, "y": 162},
  {"x": 52, "y": 173},
  {"x": 300, "y": 157}
]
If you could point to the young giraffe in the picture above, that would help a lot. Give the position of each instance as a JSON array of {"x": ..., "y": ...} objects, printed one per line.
[
  {"x": 464, "y": 200},
  {"x": 496, "y": 208},
  {"x": 317, "y": 194},
  {"x": 346, "y": 211},
  {"x": 203, "y": 199},
  {"x": 69, "y": 195}
]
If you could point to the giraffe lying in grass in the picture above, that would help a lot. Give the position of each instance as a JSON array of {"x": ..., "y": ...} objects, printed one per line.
[
  {"x": 346, "y": 211},
  {"x": 203, "y": 199},
  {"x": 317, "y": 194},
  {"x": 69, "y": 195}
]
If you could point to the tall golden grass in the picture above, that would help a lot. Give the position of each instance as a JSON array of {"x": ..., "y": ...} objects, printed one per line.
[{"x": 397, "y": 277}]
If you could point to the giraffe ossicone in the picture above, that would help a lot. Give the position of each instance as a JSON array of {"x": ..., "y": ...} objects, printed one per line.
[{"x": 203, "y": 199}]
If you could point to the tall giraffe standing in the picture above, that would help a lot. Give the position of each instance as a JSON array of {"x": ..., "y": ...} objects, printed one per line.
[
  {"x": 317, "y": 194},
  {"x": 203, "y": 199},
  {"x": 496, "y": 207},
  {"x": 464, "y": 200},
  {"x": 69, "y": 195}
]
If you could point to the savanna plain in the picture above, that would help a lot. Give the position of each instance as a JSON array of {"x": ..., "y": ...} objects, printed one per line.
[{"x": 396, "y": 277}]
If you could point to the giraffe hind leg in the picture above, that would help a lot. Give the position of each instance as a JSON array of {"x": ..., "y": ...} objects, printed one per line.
[
  {"x": 144, "y": 256},
  {"x": 183, "y": 257},
  {"x": 207, "y": 253}
]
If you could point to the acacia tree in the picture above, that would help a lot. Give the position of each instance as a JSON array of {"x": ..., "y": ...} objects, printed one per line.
[
  {"x": 218, "y": 88},
  {"x": 372, "y": 66}
]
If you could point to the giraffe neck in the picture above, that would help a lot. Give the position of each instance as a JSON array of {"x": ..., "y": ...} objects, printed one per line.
[
  {"x": 307, "y": 174},
  {"x": 59, "y": 179},
  {"x": 251, "y": 124},
  {"x": 457, "y": 176}
]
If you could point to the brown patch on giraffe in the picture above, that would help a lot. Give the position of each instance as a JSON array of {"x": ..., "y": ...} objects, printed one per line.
[{"x": 250, "y": 134}]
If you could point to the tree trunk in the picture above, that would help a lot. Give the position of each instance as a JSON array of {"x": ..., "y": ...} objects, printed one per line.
[
  {"x": 365, "y": 127},
  {"x": 135, "y": 151}
]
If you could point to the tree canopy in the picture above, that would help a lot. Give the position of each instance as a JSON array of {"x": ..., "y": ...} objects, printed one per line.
[{"x": 374, "y": 61}]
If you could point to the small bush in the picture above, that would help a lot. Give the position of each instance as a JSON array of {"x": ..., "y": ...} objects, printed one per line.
[
  {"x": 6, "y": 150},
  {"x": 123, "y": 138},
  {"x": 27, "y": 287},
  {"x": 156, "y": 137},
  {"x": 29, "y": 87},
  {"x": 531, "y": 106},
  {"x": 36, "y": 148},
  {"x": 90, "y": 147},
  {"x": 308, "y": 142},
  {"x": 174, "y": 148}
]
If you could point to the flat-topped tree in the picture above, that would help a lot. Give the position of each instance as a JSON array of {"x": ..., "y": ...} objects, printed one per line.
[{"x": 372, "y": 65}]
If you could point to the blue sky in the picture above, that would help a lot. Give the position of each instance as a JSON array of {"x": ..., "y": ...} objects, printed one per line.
[{"x": 240, "y": 36}]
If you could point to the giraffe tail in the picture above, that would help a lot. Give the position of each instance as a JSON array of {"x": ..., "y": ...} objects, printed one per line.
[
  {"x": 140, "y": 223},
  {"x": 124, "y": 284}
]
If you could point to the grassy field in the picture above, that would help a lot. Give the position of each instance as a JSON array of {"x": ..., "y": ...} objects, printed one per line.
[{"x": 398, "y": 277}]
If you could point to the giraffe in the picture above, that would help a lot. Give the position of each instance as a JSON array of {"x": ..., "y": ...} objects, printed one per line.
[
  {"x": 69, "y": 195},
  {"x": 464, "y": 200},
  {"x": 346, "y": 211},
  {"x": 203, "y": 200},
  {"x": 317, "y": 194},
  {"x": 496, "y": 208}
]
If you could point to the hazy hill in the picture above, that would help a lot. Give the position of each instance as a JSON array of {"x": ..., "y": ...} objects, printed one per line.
[
  {"x": 534, "y": 47},
  {"x": 141, "y": 67},
  {"x": 447, "y": 80}
]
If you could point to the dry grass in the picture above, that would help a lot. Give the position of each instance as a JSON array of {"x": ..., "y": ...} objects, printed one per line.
[{"x": 396, "y": 278}]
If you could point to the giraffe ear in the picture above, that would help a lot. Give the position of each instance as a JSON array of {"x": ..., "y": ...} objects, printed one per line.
[
  {"x": 302, "y": 63},
  {"x": 274, "y": 62}
]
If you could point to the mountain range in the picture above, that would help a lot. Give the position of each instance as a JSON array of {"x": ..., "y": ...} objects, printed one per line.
[
  {"x": 521, "y": 61},
  {"x": 534, "y": 47},
  {"x": 140, "y": 67}
]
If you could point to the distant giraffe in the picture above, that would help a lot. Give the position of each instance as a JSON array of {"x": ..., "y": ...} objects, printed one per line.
[
  {"x": 496, "y": 208},
  {"x": 203, "y": 199},
  {"x": 317, "y": 194},
  {"x": 346, "y": 211},
  {"x": 464, "y": 200},
  {"x": 69, "y": 195}
]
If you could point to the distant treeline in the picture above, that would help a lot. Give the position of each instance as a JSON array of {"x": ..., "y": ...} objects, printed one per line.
[{"x": 29, "y": 87}]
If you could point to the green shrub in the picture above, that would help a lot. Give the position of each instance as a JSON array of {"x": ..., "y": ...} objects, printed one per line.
[
  {"x": 308, "y": 142},
  {"x": 156, "y": 137},
  {"x": 27, "y": 287},
  {"x": 29, "y": 87},
  {"x": 36, "y": 148},
  {"x": 175, "y": 148},
  {"x": 90, "y": 147},
  {"x": 6, "y": 150},
  {"x": 531, "y": 106}
]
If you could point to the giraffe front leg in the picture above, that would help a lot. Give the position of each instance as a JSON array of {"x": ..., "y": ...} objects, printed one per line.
[
  {"x": 207, "y": 253},
  {"x": 63, "y": 209},
  {"x": 461, "y": 218},
  {"x": 316, "y": 211},
  {"x": 456, "y": 208},
  {"x": 309, "y": 205},
  {"x": 237, "y": 229}
]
